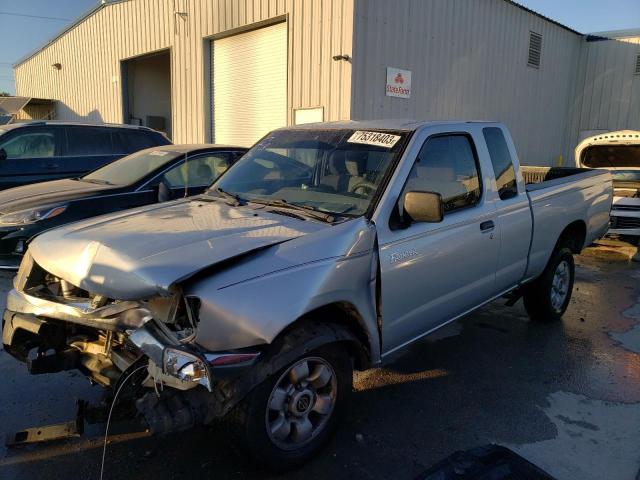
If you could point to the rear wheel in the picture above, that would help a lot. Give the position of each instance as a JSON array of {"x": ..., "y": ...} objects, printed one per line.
[
  {"x": 547, "y": 298},
  {"x": 285, "y": 420}
]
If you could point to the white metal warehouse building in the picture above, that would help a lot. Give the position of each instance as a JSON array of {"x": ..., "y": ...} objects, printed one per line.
[{"x": 228, "y": 71}]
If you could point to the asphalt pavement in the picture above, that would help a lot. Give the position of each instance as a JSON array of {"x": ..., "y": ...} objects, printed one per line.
[{"x": 566, "y": 396}]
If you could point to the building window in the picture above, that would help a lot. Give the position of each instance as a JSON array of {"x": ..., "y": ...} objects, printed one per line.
[
  {"x": 637, "y": 71},
  {"x": 535, "y": 49}
]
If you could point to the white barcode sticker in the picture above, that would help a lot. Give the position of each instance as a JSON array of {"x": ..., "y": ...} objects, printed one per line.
[{"x": 379, "y": 139}]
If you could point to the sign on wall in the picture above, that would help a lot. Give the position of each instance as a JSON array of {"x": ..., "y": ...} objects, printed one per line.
[
  {"x": 398, "y": 83},
  {"x": 308, "y": 115}
]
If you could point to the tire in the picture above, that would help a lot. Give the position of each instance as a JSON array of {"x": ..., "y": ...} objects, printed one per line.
[
  {"x": 547, "y": 298},
  {"x": 282, "y": 441}
]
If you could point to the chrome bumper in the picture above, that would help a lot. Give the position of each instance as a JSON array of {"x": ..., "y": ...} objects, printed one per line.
[{"x": 625, "y": 222}]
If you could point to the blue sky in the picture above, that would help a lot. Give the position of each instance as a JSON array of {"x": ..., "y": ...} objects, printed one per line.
[{"x": 22, "y": 34}]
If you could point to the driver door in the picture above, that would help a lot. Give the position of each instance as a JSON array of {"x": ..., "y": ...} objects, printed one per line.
[{"x": 434, "y": 272}]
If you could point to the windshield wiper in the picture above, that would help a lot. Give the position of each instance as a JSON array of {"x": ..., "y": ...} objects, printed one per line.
[
  {"x": 237, "y": 200},
  {"x": 308, "y": 210}
]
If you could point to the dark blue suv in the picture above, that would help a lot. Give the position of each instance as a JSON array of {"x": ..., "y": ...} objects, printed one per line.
[{"x": 48, "y": 150}]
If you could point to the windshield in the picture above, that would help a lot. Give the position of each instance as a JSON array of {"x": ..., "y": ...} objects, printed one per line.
[
  {"x": 132, "y": 168},
  {"x": 333, "y": 171},
  {"x": 608, "y": 156}
]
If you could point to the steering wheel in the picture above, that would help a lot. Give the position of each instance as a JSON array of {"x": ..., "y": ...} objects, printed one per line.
[{"x": 364, "y": 186}]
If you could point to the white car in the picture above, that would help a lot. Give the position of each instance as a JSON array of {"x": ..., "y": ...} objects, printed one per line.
[{"x": 619, "y": 153}]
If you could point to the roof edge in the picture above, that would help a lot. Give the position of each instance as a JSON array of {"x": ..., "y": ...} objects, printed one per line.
[
  {"x": 106, "y": 3},
  {"x": 618, "y": 34},
  {"x": 551, "y": 20},
  {"x": 71, "y": 26}
]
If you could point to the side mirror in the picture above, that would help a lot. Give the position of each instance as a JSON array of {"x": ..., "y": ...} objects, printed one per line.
[
  {"x": 3, "y": 154},
  {"x": 424, "y": 206}
]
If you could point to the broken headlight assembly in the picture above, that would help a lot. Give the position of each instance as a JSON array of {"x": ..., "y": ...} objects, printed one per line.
[
  {"x": 186, "y": 366},
  {"x": 26, "y": 217}
]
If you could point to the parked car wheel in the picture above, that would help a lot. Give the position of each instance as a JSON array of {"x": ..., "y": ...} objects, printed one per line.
[
  {"x": 285, "y": 420},
  {"x": 547, "y": 298}
]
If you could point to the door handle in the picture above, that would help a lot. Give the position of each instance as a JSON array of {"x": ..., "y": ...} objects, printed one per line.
[{"x": 487, "y": 226}]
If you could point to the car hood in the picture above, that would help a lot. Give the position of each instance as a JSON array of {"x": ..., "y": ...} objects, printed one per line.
[
  {"x": 47, "y": 193},
  {"x": 141, "y": 253}
]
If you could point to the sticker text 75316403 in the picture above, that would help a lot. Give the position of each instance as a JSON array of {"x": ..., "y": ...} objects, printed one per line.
[{"x": 379, "y": 139}]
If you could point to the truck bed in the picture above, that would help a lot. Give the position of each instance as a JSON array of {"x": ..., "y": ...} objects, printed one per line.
[
  {"x": 540, "y": 177},
  {"x": 561, "y": 196}
]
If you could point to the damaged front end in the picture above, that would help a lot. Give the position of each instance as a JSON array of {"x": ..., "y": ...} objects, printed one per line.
[{"x": 53, "y": 326}]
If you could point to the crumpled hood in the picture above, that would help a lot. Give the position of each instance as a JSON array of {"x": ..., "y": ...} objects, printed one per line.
[
  {"x": 141, "y": 253},
  {"x": 47, "y": 193}
]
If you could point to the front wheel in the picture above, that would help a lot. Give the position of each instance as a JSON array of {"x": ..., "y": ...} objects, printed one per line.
[
  {"x": 285, "y": 420},
  {"x": 547, "y": 298}
]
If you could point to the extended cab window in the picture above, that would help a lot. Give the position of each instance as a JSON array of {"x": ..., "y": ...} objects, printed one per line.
[
  {"x": 30, "y": 144},
  {"x": 502, "y": 162},
  {"x": 84, "y": 141},
  {"x": 447, "y": 165}
]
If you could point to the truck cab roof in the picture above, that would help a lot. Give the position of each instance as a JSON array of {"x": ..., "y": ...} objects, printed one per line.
[{"x": 407, "y": 125}]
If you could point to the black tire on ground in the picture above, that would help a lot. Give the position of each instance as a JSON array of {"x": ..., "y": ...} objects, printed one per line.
[
  {"x": 547, "y": 298},
  {"x": 249, "y": 420}
]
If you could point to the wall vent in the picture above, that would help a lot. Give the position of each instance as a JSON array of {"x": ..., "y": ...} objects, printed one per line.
[
  {"x": 637, "y": 71},
  {"x": 535, "y": 49}
]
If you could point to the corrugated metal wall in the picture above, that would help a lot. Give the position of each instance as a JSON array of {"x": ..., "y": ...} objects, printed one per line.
[
  {"x": 608, "y": 89},
  {"x": 469, "y": 61},
  {"x": 468, "y": 57},
  {"x": 89, "y": 84}
]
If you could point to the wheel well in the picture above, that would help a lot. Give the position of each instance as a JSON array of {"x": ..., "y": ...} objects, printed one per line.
[
  {"x": 346, "y": 316},
  {"x": 573, "y": 236}
]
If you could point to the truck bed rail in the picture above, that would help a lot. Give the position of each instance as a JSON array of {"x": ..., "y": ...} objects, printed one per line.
[{"x": 533, "y": 175}]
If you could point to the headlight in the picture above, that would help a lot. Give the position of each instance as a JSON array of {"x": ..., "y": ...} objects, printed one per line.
[
  {"x": 25, "y": 217},
  {"x": 186, "y": 367}
]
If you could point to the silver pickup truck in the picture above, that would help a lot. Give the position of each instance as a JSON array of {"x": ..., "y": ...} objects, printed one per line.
[{"x": 326, "y": 248}]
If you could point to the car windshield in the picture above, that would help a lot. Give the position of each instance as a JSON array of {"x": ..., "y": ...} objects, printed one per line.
[
  {"x": 332, "y": 171},
  {"x": 608, "y": 156},
  {"x": 132, "y": 168}
]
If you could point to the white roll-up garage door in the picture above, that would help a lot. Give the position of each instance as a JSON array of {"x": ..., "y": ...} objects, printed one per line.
[{"x": 249, "y": 91}]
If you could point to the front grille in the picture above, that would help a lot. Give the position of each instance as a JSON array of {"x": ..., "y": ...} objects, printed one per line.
[{"x": 621, "y": 223}]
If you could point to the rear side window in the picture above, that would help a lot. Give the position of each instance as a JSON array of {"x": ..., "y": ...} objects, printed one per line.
[
  {"x": 89, "y": 141},
  {"x": 502, "y": 162},
  {"x": 447, "y": 165},
  {"x": 30, "y": 144},
  {"x": 129, "y": 141}
]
